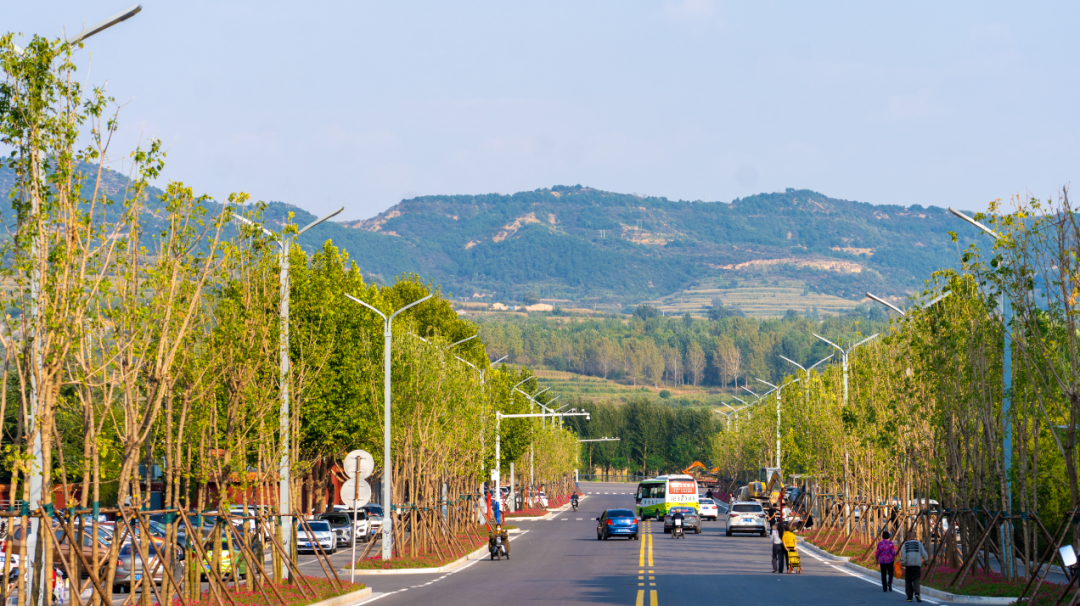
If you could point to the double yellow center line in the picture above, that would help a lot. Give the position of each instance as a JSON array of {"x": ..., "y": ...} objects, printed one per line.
[{"x": 646, "y": 539}]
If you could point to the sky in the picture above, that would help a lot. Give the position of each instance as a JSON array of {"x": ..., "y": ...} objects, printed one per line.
[{"x": 363, "y": 104}]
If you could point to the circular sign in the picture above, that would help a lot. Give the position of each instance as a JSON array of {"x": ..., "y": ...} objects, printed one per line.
[
  {"x": 358, "y": 459},
  {"x": 349, "y": 490}
]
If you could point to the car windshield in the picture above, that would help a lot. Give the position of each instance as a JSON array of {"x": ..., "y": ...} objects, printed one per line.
[
  {"x": 706, "y": 501},
  {"x": 683, "y": 510},
  {"x": 338, "y": 519},
  {"x": 375, "y": 510},
  {"x": 620, "y": 513},
  {"x": 317, "y": 526},
  {"x": 360, "y": 515},
  {"x": 126, "y": 550},
  {"x": 747, "y": 508}
]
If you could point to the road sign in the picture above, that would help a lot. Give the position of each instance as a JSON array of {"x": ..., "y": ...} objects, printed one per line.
[
  {"x": 367, "y": 464},
  {"x": 363, "y": 493},
  {"x": 357, "y": 465}
]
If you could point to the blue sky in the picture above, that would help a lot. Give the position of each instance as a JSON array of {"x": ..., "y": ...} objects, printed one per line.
[{"x": 361, "y": 104}]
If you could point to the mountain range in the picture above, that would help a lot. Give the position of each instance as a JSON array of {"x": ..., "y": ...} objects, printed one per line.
[{"x": 578, "y": 244}]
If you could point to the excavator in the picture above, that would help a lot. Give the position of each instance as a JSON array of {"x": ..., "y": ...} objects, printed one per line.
[{"x": 770, "y": 492}]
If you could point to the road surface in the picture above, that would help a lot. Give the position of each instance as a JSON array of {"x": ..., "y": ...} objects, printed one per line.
[{"x": 560, "y": 562}]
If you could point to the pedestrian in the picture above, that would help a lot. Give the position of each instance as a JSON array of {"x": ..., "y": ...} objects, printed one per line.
[
  {"x": 779, "y": 554},
  {"x": 912, "y": 556},
  {"x": 886, "y": 558},
  {"x": 708, "y": 494}
]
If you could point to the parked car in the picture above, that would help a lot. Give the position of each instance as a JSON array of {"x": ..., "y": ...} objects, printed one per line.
[
  {"x": 361, "y": 525},
  {"x": 708, "y": 509},
  {"x": 227, "y": 567},
  {"x": 321, "y": 534},
  {"x": 617, "y": 522},
  {"x": 342, "y": 526},
  {"x": 374, "y": 515},
  {"x": 691, "y": 519},
  {"x": 746, "y": 516},
  {"x": 130, "y": 566}
]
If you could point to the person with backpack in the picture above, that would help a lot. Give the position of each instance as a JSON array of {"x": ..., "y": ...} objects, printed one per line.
[
  {"x": 886, "y": 559},
  {"x": 912, "y": 556}
]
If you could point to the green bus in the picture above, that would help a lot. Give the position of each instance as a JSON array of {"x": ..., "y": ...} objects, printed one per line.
[{"x": 656, "y": 496}]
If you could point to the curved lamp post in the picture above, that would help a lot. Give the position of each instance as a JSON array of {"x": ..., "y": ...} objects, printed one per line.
[{"x": 388, "y": 336}]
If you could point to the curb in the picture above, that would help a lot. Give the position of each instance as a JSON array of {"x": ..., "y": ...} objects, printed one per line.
[
  {"x": 452, "y": 566},
  {"x": 927, "y": 591},
  {"x": 348, "y": 598}
]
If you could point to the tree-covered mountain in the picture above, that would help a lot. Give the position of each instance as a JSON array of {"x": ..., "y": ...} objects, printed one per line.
[{"x": 578, "y": 243}]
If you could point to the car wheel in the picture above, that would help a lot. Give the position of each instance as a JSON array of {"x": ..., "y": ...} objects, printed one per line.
[
  {"x": 605, "y": 536},
  {"x": 727, "y": 533},
  {"x": 697, "y": 530},
  {"x": 598, "y": 537}
]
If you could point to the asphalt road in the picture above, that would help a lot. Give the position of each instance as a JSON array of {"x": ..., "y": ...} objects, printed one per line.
[{"x": 560, "y": 562}]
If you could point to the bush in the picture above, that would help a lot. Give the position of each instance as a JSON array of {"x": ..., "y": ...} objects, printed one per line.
[{"x": 665, "y": 394}]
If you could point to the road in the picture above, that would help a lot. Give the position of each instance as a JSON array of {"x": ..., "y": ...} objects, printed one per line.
[{"x": 560, "y": 562}]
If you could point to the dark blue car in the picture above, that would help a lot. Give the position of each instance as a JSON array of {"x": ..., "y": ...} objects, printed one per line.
[{"x": 617, "y": 523}]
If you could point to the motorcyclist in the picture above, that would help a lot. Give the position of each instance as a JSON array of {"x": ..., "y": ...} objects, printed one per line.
[
  {"x": 499, "y": 543},
  {"x": 574, "y": 500},
  {"x": 677, "y": 523}
]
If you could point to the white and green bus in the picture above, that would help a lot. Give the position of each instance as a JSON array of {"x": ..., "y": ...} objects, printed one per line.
[{"x": 656, "y": 496}]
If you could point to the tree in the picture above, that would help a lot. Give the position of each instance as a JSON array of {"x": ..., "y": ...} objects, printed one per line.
[
  {"x": 728, "y": 359},
  {"x": 695, "y": 362}
]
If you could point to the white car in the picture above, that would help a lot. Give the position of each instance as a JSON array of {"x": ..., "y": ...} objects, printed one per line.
[
  {"x": 708, "y": 509},
  {"x": 322, "y": 535},
  {"x": 746, "y": 516}
]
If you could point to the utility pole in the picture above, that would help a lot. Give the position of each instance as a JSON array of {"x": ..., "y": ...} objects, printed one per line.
[
  {"x": 388, "y": 336},
  {"x": 284, "y": 240}
]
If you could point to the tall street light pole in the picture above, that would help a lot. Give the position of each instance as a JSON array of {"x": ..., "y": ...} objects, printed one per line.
[
  {"x": 35, "y": 578},
  {"x": 806, "y": 371},
  {"x": 777, "y": 390},
  {"x": 387, "y": 535},
  {"x": 284, "y": 240},
  {"x": 1006, "y": 403},
  {"x": 844, "y": 354}
]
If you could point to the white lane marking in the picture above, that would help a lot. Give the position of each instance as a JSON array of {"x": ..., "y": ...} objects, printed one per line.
[
  {"x": 376, "y": 596},
  {"x": 581, "y": 518},
  {"x": 856, "y": 575}
]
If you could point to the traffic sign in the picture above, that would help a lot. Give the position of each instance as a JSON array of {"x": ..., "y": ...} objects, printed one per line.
[
  {"x": 362, "y": 492},
  {"x": 366, "y": 461}
]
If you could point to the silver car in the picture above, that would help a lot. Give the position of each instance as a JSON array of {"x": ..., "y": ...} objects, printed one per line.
[
  {"x": 746, "y": 516},
  {"x": 691, "y": 520},
  {"x": 130, "y": 566},
  {"x": 321, "y": 536}
]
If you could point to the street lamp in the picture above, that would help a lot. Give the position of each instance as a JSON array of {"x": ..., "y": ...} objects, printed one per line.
[
  {"x": 388, "y": 336},
  {"x": 806, "y": 371},
  {"x": 900, "y": 311},
  {"x": 36, "y": 478},
  {"x": 777, "y": 390},
  {"x": 284, "y": 241},
  {"x": 1006, "y": 403},
  {"x": 844, "y": 358}
]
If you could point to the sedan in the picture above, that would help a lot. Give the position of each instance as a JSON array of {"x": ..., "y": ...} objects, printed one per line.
[
  {"x": 746, "y": 516},
  {"x": 617, "y": 523},
  {"x": 708, "y": 509},
  {"x": 691, "y": 519},
  {"x": 130, "y": 566}
]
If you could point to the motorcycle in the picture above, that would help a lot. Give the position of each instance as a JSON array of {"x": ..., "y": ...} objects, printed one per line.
[
  {"x": 498, "y": 549},
  {"x": 574, "y": 503},
  {"x": 677, "y": 529}
]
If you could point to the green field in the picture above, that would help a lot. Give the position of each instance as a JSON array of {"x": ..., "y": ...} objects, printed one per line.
[{"x": 596, "y": 389}]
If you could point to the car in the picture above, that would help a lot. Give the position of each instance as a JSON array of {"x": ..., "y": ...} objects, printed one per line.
[
  {"x": 225, "y": 563},
  {"x": 374, "y": 515},
  {"x": 708, "y": 510},
  {"x": 129, "y": 566},
  {"x": 321, "y": 536},
  {"x": 341, "y": 524},
  {"x": 617, "y": 523},
  {"x": 691, "y": 519},
  {"x": 746, "y": 516}
]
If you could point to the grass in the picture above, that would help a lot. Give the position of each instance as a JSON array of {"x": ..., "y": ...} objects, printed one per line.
[
  {"x": 759, "y": 298},
  {"x": 596, "y": 389},
  {"x": 291, "y": 594},
  {"x": 977, "y": 582},
  {"x": 463, "y": 545}
]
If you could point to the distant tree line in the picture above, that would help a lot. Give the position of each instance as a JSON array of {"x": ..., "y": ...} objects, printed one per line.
[{"x": 649, "y": 349}]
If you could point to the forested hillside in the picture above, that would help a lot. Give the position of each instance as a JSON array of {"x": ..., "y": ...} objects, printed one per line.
[
  {"x": 648, "y": 349},
  {"x": 586, "y": 246},
  {"x": 577, "y": 242}
]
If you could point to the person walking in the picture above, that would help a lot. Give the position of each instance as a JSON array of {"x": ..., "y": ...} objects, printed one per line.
[
  {"x": 886, "y": 558},
  {"x": 912, "y": 556},
  {"x": 779, "y": 554}
]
